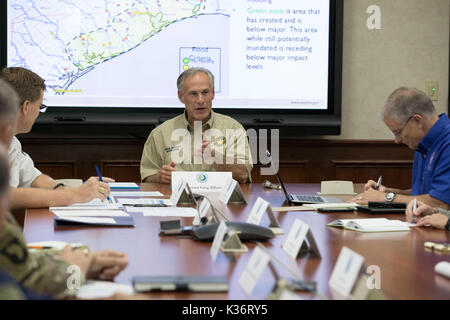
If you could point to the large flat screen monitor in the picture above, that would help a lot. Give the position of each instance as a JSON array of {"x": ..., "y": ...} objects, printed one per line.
[{"x": 269, "y": 57}]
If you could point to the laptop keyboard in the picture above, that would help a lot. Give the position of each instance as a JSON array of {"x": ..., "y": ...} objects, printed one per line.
[{"x": 308, "y": 198}]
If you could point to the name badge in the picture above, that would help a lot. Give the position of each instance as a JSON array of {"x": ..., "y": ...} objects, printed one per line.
[
  {"x": 346, "y": 272},
  {"x": 202, "y": 182}
]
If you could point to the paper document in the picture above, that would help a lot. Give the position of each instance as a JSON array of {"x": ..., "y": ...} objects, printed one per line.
[
  {"x": 102, "y": 289},
  {"x": 136, "y": 194},
  {"x": 370, "y": 225},
  {"x": 90, "y": 213},
  {"x": 168, "y": 212},
  {"x": 123, "y": 185},
  {"x": 331, "y": 205},
  {"x": 93, "y": 204},
  {"x": 131, "y": 201}
]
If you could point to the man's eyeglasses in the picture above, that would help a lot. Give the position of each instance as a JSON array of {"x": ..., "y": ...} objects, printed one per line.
[
  {"x": 43, "y": 108},
  {"x": 398, "y": 132}
]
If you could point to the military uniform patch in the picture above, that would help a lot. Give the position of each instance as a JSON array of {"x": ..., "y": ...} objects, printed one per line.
[{"x": 14, "y": 251}]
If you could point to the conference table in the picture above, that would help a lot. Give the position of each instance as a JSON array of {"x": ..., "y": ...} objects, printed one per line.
[{"x": 406, "y": 266}]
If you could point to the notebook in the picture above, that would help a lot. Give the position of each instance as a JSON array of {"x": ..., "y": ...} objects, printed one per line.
[{"x": 370, "y": 225}]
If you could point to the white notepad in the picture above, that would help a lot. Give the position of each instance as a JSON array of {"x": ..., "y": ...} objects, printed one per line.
[{"x": 370, "y": 225}]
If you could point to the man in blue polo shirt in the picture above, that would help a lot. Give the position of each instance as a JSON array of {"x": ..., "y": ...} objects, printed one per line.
[{"x": 412, "y": 118}]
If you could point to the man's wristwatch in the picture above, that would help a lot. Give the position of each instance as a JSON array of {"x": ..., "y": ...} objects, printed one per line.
[{"x": 390, "y": 196}]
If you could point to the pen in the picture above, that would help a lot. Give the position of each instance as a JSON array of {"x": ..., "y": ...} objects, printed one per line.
[
  {"x": 100, "y": 178},
  {"x": 414, "y": 210},
  {"x": 378, "y": 183},
  {"x": 40, "y": 247}
]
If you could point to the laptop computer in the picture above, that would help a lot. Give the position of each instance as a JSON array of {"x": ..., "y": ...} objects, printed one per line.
[{"x": 296, "y": 199}]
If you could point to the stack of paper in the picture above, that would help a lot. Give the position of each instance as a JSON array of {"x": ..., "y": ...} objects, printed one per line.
[
  {"x": 165, "y": 211},
  {"x": 370, "y": 225},
  {"x": 93, "y": 204},
  {"x": 92, "y": 213},
  {"x": 136, "y": 194},
  {"x": 123, "y": 185}
]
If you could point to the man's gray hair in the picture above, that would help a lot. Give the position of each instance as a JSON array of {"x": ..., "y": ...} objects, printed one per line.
[
  {"x": 192, "y": 71},
  {"x": 407, "y": 101},
  {"x": 9, "y": 101}
]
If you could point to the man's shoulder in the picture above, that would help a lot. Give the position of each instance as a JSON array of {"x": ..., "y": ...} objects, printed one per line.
[
  {"x": 227, "y": 121},
  {"x": 14, "y": 146},
  {"x": 169, "y": 125}
]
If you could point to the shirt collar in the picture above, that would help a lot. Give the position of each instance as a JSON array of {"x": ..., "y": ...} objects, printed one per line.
[
  {"x": 209, "y": 124},
  {"x": 439, "y": 127}
]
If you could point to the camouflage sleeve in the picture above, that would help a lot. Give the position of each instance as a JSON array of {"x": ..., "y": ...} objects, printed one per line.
[{"x": 39, "y": 272}]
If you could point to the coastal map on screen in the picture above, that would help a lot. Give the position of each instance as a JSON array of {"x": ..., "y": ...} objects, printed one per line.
[{"x": 264, "y": 53}]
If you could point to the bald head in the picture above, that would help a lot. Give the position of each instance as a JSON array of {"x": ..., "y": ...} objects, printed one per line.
[{"x": 405, "y": 102}]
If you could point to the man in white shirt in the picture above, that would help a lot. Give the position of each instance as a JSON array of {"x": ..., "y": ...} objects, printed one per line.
[{"x": 29, "y": 187}]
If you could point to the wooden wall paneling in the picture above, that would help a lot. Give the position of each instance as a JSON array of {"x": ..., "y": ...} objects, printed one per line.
[
  {"x": 122, "y": 170},
  {"x": 290, "y": 172},
  {"x": 86, "y": 152},
  {"x": 61, "y": 169},
  {"x": 396, "y": 173},
  {"x": 301, "y": 160}
]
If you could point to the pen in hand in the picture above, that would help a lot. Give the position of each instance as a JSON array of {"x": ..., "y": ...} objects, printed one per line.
[
  {"x": 378, "y": 183},
  {"x": 100, "y": 178}
]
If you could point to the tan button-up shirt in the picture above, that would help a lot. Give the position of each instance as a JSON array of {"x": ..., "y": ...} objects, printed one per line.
[{"x": 176, "y": 140}]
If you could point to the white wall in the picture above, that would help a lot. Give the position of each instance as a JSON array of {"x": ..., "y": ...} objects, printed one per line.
[{"x": 411, "y": 46}]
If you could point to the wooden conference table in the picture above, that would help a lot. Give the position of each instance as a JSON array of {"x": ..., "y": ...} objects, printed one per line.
[{"x": 407, "y": 269}]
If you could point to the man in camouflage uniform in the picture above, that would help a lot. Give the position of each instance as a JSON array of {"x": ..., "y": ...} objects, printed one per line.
[{"x": 42, "y": 272}]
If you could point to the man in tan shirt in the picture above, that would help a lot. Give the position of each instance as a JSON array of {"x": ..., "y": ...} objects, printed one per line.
[{"x": 197, "y": 140}]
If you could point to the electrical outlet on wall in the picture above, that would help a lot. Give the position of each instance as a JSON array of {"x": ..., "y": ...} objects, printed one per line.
[{"x": 432, "y": 89}]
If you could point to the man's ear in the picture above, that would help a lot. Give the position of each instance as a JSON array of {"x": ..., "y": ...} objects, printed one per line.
[
  {"x": 213, "y": 93},
  {"x": 420, "y": 120},
  {"x": 180, "y": 97},
  {"x": 24, "y": 108}
]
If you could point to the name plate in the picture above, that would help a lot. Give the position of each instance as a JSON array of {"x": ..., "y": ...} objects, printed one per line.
[
  {"x": 260, "y": 207},
  {"x": 254, "y": 269},
  {"x": 218, "y": 239},
  {"x": 202, "y": 182},
  {"x": 346, "y": 272},
  {"x": 202, "y": 211},
  {"x": 300, "y": 232},
  {"x": 232, "y": 193}
]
